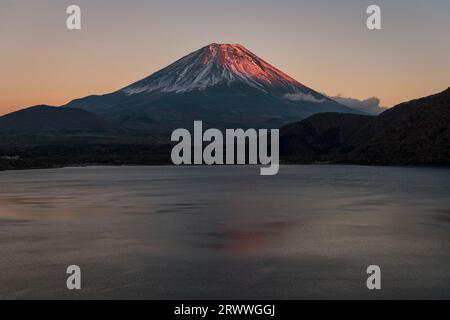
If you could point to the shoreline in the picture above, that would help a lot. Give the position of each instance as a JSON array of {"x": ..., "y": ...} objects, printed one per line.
[{"x": 324, "y": 163}]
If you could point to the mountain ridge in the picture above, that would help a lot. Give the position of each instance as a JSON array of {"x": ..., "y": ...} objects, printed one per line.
[
  {"x": 416, "y": 132},
  {"x": 47, "y": 119},
  {"x": 413, "y": 133}
]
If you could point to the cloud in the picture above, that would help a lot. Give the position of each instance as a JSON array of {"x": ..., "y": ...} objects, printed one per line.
[
  {"x": 370, "y": 105},
  {"x": 306, "y": 97}
]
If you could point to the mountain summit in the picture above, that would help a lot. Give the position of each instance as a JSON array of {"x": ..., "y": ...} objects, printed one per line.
[
  {"x": 224, "y": 85},
  {"x": 214, "y": 65}
]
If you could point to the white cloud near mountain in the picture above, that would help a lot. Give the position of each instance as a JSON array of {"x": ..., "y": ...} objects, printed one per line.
[
  {"x": 306, "y": 97},
  {"x": 370, "y": 105}
]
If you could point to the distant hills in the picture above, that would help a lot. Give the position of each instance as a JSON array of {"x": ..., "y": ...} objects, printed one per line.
[
  {"x": 225, "y": 86},
  {"x": 413, "y": 133},
  {"x": 53, "y": 120}
]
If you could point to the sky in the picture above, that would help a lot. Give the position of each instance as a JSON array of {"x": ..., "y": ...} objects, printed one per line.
[{"x": 323, "y": 44}]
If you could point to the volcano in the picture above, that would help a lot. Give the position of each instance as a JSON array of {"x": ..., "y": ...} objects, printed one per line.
[{"x": 224, "y": 85}]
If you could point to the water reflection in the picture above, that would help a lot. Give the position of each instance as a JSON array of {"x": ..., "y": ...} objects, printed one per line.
[{"x": 202, "y": 232}]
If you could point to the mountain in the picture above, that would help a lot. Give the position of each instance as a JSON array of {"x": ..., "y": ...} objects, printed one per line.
[
  {"x": 52, "y": 120},
  {"x": 48, "y": 137},
  {"x": 413, "y": 133},
  {"x": 321, "y": 137},
  {"x": 224, "y": 85}
]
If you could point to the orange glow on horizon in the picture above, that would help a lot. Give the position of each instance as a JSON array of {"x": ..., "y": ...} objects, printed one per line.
[{"x": 323, "y": 45}]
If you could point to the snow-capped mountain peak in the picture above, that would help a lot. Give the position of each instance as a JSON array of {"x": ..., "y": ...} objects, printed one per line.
[
  {"x": 217, "y": 64},
  {"x": 224, "y": 85}
]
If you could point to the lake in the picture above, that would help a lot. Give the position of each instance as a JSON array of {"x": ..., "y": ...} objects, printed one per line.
[{"x": 225, "y": 232}]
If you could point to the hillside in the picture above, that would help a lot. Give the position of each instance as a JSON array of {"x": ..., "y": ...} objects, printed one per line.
[
  {"x": 413, "y": 133},
  {"x": 51, "y": 120}
]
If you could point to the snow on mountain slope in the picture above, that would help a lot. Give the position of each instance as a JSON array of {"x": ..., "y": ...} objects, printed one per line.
[
  {"x": 224, "y": 85},
  {"x": 220, "y": 64}
]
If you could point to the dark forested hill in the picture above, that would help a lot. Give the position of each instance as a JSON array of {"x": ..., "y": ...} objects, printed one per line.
[
  {"x": 47, "y": 119},
  {"x": 413, "y": 133}
]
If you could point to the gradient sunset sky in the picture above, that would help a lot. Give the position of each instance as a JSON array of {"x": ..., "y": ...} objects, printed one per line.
[{"x": 324, "y": 44}]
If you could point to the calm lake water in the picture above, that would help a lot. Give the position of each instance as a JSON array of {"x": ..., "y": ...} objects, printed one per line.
[{"x": 225, "y": 232}]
